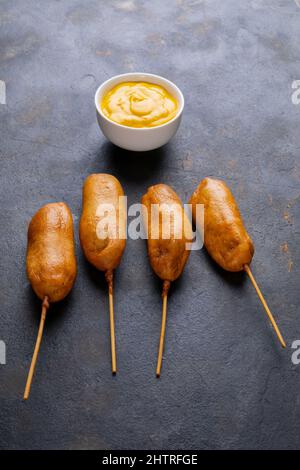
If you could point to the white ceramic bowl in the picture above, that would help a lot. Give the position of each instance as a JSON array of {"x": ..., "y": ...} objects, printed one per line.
[{"x": 132, "y": 138}]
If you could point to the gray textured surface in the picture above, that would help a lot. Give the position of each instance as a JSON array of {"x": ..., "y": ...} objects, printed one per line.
[{"x": 225, "y": 381}]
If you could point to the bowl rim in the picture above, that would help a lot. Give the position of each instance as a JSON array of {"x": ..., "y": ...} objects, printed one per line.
[{"x": 144, "y": 74}]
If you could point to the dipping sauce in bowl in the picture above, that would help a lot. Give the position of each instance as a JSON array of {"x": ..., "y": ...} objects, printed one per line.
[
  {"x": 139, "y": 111},
  {"x": 139, "y": 104}
]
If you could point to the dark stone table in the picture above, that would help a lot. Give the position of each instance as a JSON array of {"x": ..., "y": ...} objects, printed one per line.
[{"x": 226, "y": 383}]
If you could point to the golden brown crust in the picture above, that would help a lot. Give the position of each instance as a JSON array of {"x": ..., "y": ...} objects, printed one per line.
[
  {"x": 51, "y": 262},
  {"x": 167, "y": 256},
  {"x": 104, "y": 254},
  {"x": 225, "y": 236}
]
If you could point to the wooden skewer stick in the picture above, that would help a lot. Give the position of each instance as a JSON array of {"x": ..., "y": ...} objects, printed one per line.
[
  {"x": 264, "y": 303},
  {"x": 109, "y": 278},
  {"x": 45, "y": 306},
  {"x": 166, "y": 287}
]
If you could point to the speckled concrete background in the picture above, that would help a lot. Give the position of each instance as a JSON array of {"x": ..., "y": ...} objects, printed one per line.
[{"x": 225, "y": 381}]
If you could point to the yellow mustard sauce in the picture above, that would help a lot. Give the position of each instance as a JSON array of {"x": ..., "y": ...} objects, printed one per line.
[{"x": 139, "y": 104}]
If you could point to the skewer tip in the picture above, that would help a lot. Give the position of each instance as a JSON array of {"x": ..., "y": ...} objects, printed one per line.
[{"x": 283, "y": 344}]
